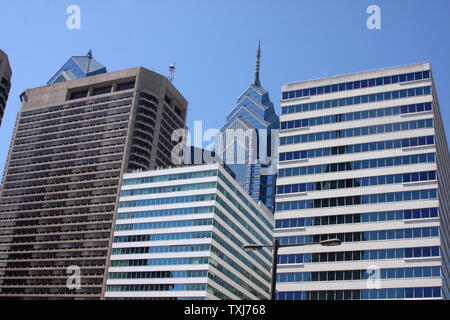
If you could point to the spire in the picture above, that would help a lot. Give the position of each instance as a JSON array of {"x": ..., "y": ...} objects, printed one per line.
[
  {"x": 258, "y": 56},
  {"x": 89, "y": 55}
]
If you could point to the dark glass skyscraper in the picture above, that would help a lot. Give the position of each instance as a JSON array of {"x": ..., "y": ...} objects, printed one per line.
[
  {"x": 247, "y": 142},
  {"x": 72, "y": 141}
]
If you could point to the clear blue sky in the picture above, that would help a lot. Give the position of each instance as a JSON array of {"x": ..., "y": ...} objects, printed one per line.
[{"x": 214, "y": 44}]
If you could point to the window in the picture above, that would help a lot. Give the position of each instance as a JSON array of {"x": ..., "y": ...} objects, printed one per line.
[{"x": 125, "y": 86}]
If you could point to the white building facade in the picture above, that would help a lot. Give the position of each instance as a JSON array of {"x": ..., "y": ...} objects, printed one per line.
[
  {"x": 180, "y": 234},
  {"x": 363, "y": 158}
]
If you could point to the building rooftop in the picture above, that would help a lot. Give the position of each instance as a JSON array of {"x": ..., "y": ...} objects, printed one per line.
[{"x": 78, "y": 67}]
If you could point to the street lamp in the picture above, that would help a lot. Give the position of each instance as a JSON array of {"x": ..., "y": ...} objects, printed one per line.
[{"x": 276, "y": 245}]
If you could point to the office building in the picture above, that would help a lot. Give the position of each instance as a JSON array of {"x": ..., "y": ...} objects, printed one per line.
[
  {"x": 72, "y": 141},
  {"x": 5, "y": 82},
  {"x": 247, "y": 141},
  {"x": 180, "y": 233},
  {"x": 363, "y": 158}
]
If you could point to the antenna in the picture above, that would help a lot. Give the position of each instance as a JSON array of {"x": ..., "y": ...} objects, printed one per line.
[{"x": 171, "y": 75}]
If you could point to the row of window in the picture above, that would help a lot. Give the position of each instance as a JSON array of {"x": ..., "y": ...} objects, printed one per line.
[
  {"x": 71, "y": 174},
  {"x": 65, "y": 156},
  {"x": 89, "y": 127},
  {"x": 358, "y": 200},
  {"x": 367, "y": 98},
  {"x": 69, "y": 106},
  {"x": 348, "y": 275},
  {"x": 164, "y": 212},
  {"x": 67, "y": 149},
  {"x": 164, "y": 224},
  {"x": 171, "y": 177},
  {"x": 161, "y": 249},
  {"x": 379, "y": 254},
  {"x": 353, "y": 85},
  {"x": 357, "y": 115},
  {"x": 241, "y": 196},
  {"x": 358, "y": 132},
  {"x": 59, "y": 164},
  {"x": 242, "y": 271},
  {"x": 416, "y": 233},
  {"x": 166, "y": 189},
  {"x": 149, "y": 97},
  {"x": 225, "y": 285},
  {"x": 158, "y": 274},
  {"x": 357, "y": 182},
  {"x": 241, "y": 212},
  {"x": 159, "y": 262},
  {"x": 235, "y": 240},
  {"x": 242, "y": 222},
  {"x": 162, "y": 201},
  {"x": 423, "y": 213},
  {"x": 78, "y": 140},
  {"x": 158, "y": 287},
  {"x": 357, "y": 148},
  {"x": 238, "y": 280},
  {"x": 163, "y": 236},
  {"x": 258, "y": 268},
  {"x": 362, "y": 294},
  {"x": 358, "y": 165},
  {"x": 46, "y": 120}
]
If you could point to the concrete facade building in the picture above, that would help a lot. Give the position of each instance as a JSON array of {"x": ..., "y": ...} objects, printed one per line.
[
  {"x": 73, "y": 140},
  {"x": 180, "y": 234},
  {"x": 5, "y": 82},
  {"x": 364, "y": 158}
]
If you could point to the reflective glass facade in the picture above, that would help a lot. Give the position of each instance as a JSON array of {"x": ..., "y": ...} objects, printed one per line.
[
  {"x": 247, "y": 142},
  {"x": 176, "y": 236}
]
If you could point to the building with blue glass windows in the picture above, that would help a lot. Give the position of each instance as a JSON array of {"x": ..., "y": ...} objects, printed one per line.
[
  {"x": 247, "y": 142},
  {"x": 179, "y": 234},
  {"x": 363, "y": 158}
]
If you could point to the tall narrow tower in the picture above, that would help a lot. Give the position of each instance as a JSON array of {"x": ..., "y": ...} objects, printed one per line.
[{"x": 247, "y": 142}]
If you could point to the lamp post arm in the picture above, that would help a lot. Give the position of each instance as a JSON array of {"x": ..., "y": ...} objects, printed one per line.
[{"x": 276, "y": 246}]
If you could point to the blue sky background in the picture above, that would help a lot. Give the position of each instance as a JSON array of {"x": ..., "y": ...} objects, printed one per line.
[{"x": 214, "y": 44}]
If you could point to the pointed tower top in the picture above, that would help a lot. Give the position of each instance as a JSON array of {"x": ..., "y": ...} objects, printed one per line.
[{"x": 258, "y": 57}]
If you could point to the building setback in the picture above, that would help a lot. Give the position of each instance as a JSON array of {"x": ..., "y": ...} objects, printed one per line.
[
  {"x": 364, "y": 158},
  {"x": 72, "y": 141},
  {"x": 180, "y": 234},
  {"x": 5, "y": 82},
  {"x": 247, "y": 141}
]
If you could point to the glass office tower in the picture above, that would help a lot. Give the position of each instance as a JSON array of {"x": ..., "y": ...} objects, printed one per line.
[
  {"x": 363, "y": 158},
  {"x": 180, "y": 234},
  {"x": 247, "y": 141},
  {"x": 73, "y": 140}
]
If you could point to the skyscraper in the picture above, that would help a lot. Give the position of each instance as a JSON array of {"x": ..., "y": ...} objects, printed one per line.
[
  {"x": 180, "y": 234},
  {"x": 247, "y": 144},
  {"x": 73, "y": 140},
  {"x": 364, "y": 158},
  {"x": 5, "y": 82}
]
